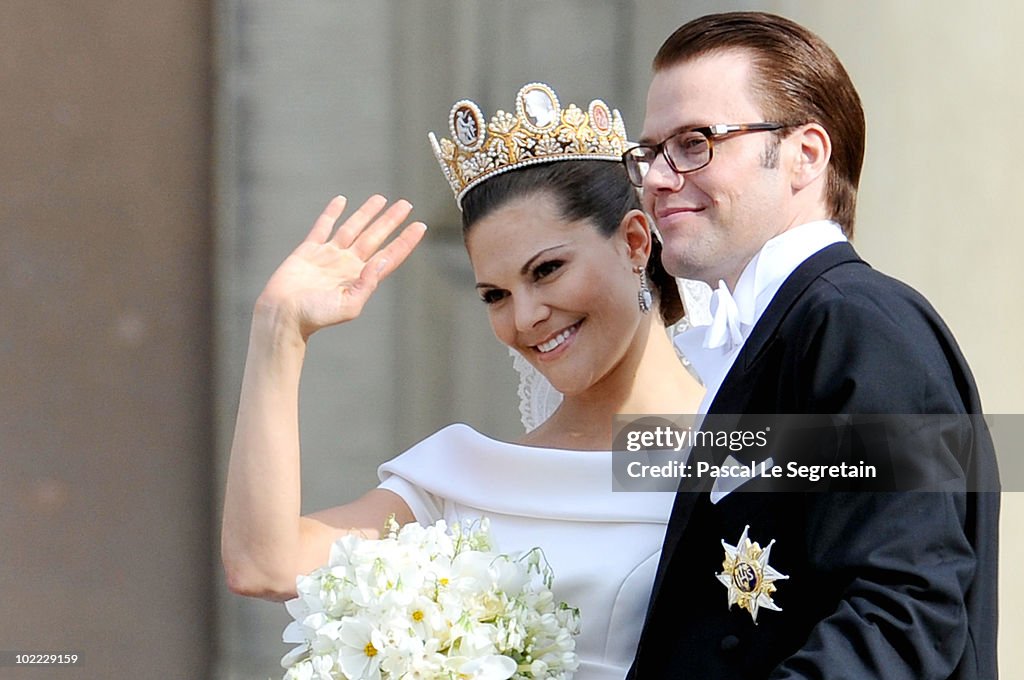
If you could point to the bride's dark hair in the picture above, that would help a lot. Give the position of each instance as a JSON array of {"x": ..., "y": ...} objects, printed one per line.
[{"x": 596, "y": 190}]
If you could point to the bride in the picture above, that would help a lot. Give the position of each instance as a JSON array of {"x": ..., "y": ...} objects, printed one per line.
[{"x": 565, "y": 261}]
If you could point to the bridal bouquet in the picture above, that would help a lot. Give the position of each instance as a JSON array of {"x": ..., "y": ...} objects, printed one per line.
[{"x": 426, "y": 603}]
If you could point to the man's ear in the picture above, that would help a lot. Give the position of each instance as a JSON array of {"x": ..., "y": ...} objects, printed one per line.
[
  {"x": 635, "y": 230},
  {"x": 813, "y": 149}
]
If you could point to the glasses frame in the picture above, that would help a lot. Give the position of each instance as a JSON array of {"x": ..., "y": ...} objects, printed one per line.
[{"x": 710, "y": 132}]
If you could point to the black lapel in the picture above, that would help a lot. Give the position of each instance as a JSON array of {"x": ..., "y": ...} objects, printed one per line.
[
  {"x": 678, "y": 520},
  {"x": 788, "y": 294}
]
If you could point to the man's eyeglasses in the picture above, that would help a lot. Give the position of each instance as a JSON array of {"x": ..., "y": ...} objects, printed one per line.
[{"x": 687, "y": 150}]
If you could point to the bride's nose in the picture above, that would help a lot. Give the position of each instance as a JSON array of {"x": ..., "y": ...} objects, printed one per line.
[{"x": 529, "y": 310}]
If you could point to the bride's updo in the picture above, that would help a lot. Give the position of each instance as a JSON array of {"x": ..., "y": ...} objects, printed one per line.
[{"x": 595, "y": 190}]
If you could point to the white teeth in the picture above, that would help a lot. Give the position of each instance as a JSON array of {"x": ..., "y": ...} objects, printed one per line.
[{"x": 554, "y": 342}]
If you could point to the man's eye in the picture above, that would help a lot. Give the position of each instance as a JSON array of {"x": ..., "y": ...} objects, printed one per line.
[{"x": 695, "y": 144}]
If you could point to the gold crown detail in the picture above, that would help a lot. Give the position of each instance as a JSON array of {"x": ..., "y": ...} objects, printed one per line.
[{"x": 539, "y": 132}]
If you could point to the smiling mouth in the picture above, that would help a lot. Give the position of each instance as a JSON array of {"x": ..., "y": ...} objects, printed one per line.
[
  {"x": 669, "y": 212},
  {"x": 557, "y": 341}
]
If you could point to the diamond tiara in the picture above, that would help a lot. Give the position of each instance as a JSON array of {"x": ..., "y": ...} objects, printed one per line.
[{"x": 539, "y": 132}]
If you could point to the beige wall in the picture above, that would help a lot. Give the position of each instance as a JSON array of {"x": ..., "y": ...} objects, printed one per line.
[{"x": 105, "y": 461}]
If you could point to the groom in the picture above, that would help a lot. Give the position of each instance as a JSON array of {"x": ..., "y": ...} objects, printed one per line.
[{"x": 749, "y": 163}]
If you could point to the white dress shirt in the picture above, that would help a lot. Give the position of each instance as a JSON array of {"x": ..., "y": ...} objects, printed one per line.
[{"x": 713, "y": 348}]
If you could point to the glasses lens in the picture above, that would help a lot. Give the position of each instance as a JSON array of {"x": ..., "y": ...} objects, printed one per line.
[
  {"x": 637, "y": 161},
  {"x": 688, "y": 150}
]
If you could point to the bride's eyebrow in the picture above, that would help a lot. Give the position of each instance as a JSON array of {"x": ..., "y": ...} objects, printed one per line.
[
  {"x": 526, "y": 267},
  {"x": 529, "y": 263}
]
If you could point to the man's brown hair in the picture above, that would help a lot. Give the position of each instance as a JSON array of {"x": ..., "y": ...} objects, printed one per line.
[{"x": 796, "y": 78}]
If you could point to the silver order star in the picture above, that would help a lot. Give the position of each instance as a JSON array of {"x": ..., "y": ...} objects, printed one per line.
[{"x": 748, "y": 577}]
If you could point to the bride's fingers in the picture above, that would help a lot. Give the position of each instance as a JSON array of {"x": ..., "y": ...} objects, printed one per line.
[
  {"x": 325, "y": 223},
  {"x": 391, "y": 256},
  {"x": 351, "y": 228},
  {"x": 367, "y": 243}
]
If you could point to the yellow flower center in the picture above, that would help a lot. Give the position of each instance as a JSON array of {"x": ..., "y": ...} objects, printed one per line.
[
  {"x": 370, "y": 650},
  {"x": 417, "y": 615},
  {"x": 443, "y": 581}
]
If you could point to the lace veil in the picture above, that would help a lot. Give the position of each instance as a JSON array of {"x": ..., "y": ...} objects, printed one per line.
[{"x": 538, "y": 399}]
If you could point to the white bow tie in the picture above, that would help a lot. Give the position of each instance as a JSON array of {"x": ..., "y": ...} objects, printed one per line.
[{"x": 725, "y": 330}]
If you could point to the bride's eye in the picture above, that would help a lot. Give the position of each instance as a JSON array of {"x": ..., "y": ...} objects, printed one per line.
[
  {"x": 547, "y": 268},
  {"x": 493, "y": 295}
]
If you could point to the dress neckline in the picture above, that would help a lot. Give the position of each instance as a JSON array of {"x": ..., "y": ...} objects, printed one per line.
[{"x": 518, "y": 445}]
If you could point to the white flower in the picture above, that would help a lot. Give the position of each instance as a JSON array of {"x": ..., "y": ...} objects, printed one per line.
[
  {"x": 429, "y": 603},
  {"x": 300, "y": 671},
  {"x": 413, "y": 659},
  {"x": 297, "y": 654},
  {"x": 491, "y": 667},
  {"x": 361, "y": 645},
  {"x": 317, "y": 668},
  {"x": 425, "y": 619},
  {"x": 509, "y": 576}
]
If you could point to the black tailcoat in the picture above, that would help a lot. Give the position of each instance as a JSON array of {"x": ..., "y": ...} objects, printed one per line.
[{"x": 881, "y": 585}]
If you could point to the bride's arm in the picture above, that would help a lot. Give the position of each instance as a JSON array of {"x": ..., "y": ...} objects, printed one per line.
[{"x": 265, "y": 542}]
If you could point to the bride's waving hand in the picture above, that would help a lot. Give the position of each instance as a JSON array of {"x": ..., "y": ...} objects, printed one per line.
[
  {"x": 327, "y": 280},
  {"x": 333, "y": 272}
]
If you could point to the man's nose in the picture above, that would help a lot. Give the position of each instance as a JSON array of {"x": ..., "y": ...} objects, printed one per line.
[{"x": 661, "y": 177}]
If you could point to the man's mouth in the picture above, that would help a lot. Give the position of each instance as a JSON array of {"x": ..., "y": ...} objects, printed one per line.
[{"x": 666, "y": 212}]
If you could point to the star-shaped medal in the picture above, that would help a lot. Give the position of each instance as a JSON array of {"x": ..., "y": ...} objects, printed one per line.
[{"x": 748, "y": 577}]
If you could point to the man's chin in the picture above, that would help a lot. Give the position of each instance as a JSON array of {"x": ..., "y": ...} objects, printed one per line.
[{"x": 687, "y": 267}]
